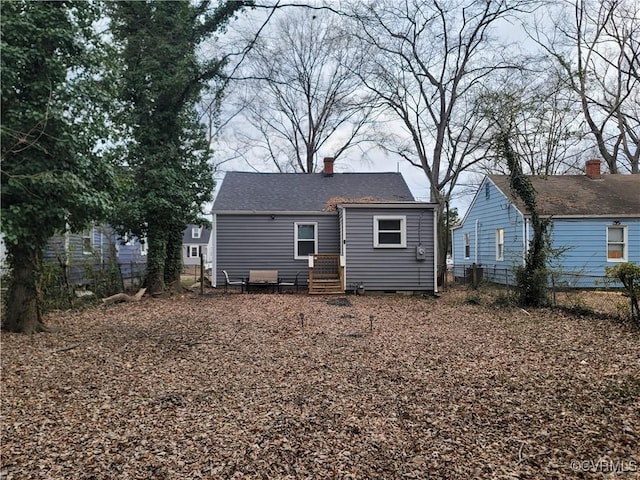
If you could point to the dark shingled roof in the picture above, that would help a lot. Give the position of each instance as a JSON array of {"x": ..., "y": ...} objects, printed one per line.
[
  {"x": 301, "y": 192},
  {"x": 579, "y": 195},
  {"x": 188, "y": 238}
]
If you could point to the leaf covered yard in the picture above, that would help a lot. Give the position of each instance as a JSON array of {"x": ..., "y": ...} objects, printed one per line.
[{"x": 293, "y": 386}]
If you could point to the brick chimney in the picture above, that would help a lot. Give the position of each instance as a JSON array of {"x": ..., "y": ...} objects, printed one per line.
[
  {"x": 592, "y": 169},
  {"x": 328, "y": 166}
]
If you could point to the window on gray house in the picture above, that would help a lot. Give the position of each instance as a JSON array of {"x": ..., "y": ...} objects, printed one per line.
[
  {"x": 389, "y": 232},
  {"x": 306, "y": 239}
]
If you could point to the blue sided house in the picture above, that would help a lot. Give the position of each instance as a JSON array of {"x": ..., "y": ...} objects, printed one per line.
[
  {"x": 595, "y": 223},
  {"x": 84, "y": 254}
]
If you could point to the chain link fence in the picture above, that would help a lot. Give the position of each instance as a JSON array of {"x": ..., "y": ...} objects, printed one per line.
[
  {"x": 587, "y": 294},
  {"x": 64, "y": 286}
]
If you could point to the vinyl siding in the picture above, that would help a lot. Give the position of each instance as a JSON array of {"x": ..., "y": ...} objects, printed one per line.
[
  {"x": 73, "y": 252},
  {"x": 187, "y": 260},
  {"x": 130, "y": 253},
  {"x": 490, "y": 211},
  {"x": 484, "y": 218},
  {"x": 389, "y": 269},
  {"x": 584, "y": 247},
  {"x": 68, "y": 249},
  {"x": 256, "y": 242},
  {"x": 189, "y": 241}
]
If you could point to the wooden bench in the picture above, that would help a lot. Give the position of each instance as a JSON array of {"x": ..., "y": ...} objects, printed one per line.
[{"x": 263, "y": 279}]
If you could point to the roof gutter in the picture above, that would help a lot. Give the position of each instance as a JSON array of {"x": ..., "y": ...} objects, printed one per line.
[
  {"x": 272, "y": 212},
  {"x": 607, "y": 215},
  {"x": 389, "y": 205}
]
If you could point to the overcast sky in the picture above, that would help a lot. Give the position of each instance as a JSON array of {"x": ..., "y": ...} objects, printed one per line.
[{"x": 376, "y": 161}]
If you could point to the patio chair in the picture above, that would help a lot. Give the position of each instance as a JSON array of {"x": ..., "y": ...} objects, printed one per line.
[
  {"x": 228, "y": 282},
  {"x": 282, "y": 283}
]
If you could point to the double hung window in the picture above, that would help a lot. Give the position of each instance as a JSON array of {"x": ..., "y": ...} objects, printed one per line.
[
  {"x": 305, "y": 239},
  {"x": 389, "y": 231}
]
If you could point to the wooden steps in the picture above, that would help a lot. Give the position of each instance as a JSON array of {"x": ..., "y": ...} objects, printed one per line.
[
  {"x": 326, "y": 287},
  {"x": 325, "y": 274}
]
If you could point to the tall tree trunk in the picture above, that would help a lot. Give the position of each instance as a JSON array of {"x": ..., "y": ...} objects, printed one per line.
[
  {"x": 156, "y": 261},
  {"x": 23, "y": 308},
  {"x": 443, "y": 241},
  {"x": 442, "y": 238},
  {"x": 532, "y": 277},
  {"x": 173, "y": 262}
]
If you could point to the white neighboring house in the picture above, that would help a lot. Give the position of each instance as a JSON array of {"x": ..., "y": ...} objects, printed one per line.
[
  {"x": 195, "y": 241},
  {"x": 3, "y": 254}
]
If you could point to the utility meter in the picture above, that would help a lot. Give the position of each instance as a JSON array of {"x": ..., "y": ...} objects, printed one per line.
[{"x": 421, "y": 252}]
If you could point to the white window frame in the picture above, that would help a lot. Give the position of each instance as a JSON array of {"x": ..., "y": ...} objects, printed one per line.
[
  {"x": 466, "y": 245},
  {"x": 87, "y": 234},
  {"x": 624, "y": 243},
  {"x": 402, "y": 231},
  {"x": 296, "y": 256},
  {"x": 196, "y": 232},
  {"x": 499, "y": 244},
  {"x": 190, "y": 250}
]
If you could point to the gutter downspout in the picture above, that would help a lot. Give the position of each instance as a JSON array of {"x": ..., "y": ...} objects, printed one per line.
[
  {"x": 213, "y": 250},
  {"x": 525, "y": 240},
  {"x": 343, "y": 246},
  {"x": 435, "y": 252}
]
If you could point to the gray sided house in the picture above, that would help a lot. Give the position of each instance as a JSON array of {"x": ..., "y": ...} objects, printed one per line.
[
  {"x": 195, "y": 242},
  {"x": 369, "y": 222},
  {"x": 595, "y": 223}
]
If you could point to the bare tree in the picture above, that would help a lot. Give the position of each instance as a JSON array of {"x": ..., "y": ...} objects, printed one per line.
[
  {"x": 427, "y": 61},
  {"x": 595, "y": 46},
  {"x": 543, "y": 120},
  {"x": 297, "y": 95}
]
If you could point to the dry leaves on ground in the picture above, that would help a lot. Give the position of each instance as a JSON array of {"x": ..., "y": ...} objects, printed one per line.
[{"x": 295, "y": 386}]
